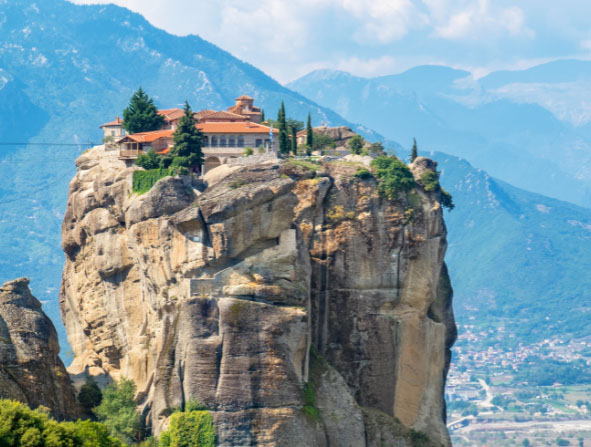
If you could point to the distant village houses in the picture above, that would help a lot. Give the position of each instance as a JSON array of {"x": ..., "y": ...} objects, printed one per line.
[{"x": 226, "y": 134}]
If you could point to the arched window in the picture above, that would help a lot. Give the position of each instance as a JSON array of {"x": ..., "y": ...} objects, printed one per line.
[
  {"x": 241, "y": 141},
  {"x": 205, "y": 141},
  {"x": 214, "y": 141},
  {"x": 232, "y": 141},
  {"x": 223, "y": 141}
]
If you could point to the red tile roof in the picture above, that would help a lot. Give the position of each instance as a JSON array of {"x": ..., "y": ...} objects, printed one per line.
[
  {"x": 117, "y": 122},
  {"x": 148, "y": 137},
  {"x": 164, "y": 151},
  {"x": 171, "y": 114},
  {"x": 235, "y": 128},
  {"x": 202, "y": 113},
  {"x": 221, "y": 116}
]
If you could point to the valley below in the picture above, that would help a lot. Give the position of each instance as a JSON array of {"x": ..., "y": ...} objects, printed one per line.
[{"x": 506, "y": 391}]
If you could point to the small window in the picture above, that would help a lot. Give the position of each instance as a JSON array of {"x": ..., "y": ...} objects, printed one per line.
[
  {"x": 232, "y": 142},
  {"x": 214, "y": 141},
  {"x": 258, "y": 142},
  {"x": 205, "y": 141},
  {"x": 241, "y": 141},
  {"x": 113, "y": 133},
  {"x": 223, "y": 141}
]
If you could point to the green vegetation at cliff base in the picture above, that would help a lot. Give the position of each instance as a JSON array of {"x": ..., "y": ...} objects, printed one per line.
[{"x": 21, "y": 426}]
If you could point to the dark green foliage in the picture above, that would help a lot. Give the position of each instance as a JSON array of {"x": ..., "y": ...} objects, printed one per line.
[
  {"x": 363, "y": 174},
  {"x": 309, "y": 407},
  {"x": 294, "y": 141},
  {"x": 117, "y": 411},
  {"x": 393, "y": 176},
  {"x": 90, "y": 394},
  {"x": 189, "y": 429},
  {"x": 446, "y": 200},
  {"x": 414, "y": 153},
  {"x": 262, "y": 115},
  {"x": 141, "y": 115},
  {"x": 187, "y": 150},
  {"x": 546, "y": 372},
  {"x": 430, "y": 181},
  {"x": 419, "y": 439},
  {"x": 20, "y": 426},
  {"x": 144, "y": 180},
  {"x": 284, "y": 143},
  {"x": 321, "y": 141},
  {"x": 377, "y": 147},
  {"x": 292, "y": 123},
  {"x": 195, "y": 405},
  {"x": 149, "y": 160},
  {"x": 309, "y": 132},
  {"x": 317, "y": 367},
  {"x": 356, "y": 144}
]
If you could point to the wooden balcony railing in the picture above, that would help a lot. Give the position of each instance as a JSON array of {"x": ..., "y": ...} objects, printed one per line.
[{"x": 130, "y": 153}]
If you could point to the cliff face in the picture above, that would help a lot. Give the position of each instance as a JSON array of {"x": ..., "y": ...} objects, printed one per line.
[
  {"x": 296, "y": 304},
  {"x": 30, "y": 368}
]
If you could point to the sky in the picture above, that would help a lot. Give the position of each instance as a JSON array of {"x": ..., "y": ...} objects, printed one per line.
[{"x": 289, "y": 38}]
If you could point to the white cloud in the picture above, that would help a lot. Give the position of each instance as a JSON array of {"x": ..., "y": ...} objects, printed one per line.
[
  {"x": 383, "y": 20},
  {"x": 478, "y": 20}
]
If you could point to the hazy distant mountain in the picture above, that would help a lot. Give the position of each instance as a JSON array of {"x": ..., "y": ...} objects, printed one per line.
[
  {"x": 568, "y": 70},
  {"x": 531, "y": 134},
  {"x": 66, "y": 69},
  {"x": 516, "y": 255}
]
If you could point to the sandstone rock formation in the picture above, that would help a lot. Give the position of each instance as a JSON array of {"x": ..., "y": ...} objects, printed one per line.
[
  {"x": 293, "y": 301},
  {"x": 30, "y": 368}
]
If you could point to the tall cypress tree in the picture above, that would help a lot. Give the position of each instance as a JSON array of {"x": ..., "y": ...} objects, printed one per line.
[
  {"x": 262, "y": 115},
  {"x": 187, "y": 150},
  {"x": 309, "y": 132},
  {"x": 414, "y": 153},
  {"x": 294, "y": 141},
  {"x": 141, "y": 115},
  {"x": 284, "y": 143}
]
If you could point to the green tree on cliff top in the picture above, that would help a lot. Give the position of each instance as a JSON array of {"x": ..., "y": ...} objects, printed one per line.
[
  {"x": 414, "y": 153},
  {"x": 187, "y": 150},
  {"x": 284, "y": 143},
  {"x": 309, "y": 132},
  {"x": 141, "y": 115}
]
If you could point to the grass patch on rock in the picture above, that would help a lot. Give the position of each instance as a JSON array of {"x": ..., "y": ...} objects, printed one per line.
[{"x": 144, "y": 180}]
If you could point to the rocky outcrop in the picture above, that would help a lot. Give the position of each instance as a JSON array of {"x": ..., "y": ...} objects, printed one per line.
[
  {"x": 289, "y": 298},
  {"x": 30, "y": 368}
]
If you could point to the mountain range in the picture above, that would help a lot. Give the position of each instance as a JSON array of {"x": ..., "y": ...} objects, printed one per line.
[{"x": 513, "y": 254}]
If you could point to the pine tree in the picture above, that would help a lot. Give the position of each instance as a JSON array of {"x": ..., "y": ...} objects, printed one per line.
[
  {"x": 90, "y": 394},
  {"x": 262, "y": 115},
  {"x": 284, "y": 143},
  {"x": 187, "y": 150},
  {"x": 141, "y": 115},
  {"x": 294, "y": 141},
  {"x": 356, "y": 144},
  {"x": 309, "y": 132},
  {"x": 414, "y": 153}
]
